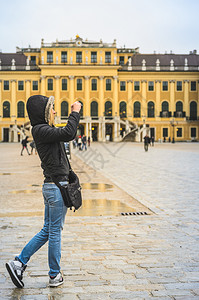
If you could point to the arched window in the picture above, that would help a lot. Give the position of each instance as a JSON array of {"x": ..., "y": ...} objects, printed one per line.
[
  {"x": 137, "y": 110},
  {"x": 20, "y": 109},
  {"x": 64, "y": 109},
  {"x": 50, "y": 84},
  {"x": 165, "y": 106},
  {"x": 179, "y": 110},
  {"x": 151, "y": 109},
  {"x": 179, "y": 106},
  {"x": 122, "y": 109},
  {"x": 193, "y": 110},
  {"x": 108, "y": 109},
  {"x": 82, "y": 110},
  {"x": 6, "y": 109},
  {"x": 94, "y": 109}
]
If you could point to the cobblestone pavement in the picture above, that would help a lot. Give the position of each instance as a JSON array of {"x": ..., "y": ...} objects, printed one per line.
[{"x": 153, "y": 256}]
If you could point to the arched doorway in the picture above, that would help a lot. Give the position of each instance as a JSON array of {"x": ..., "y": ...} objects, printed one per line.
[{"x": 109, "y": 132}]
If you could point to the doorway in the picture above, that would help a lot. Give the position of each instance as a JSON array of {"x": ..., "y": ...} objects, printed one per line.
[
  {"x": 94, "y": 133},
  {"x": 6, "y": 135},
  {"x": 152, "y": 132},
  {"x": 109, "y": 132}
]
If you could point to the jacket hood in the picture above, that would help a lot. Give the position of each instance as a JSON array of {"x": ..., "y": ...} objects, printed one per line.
[{"x": 38, "y": 108}]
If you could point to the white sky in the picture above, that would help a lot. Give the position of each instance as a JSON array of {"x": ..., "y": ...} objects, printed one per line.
[{"x": 153, "y": 25}]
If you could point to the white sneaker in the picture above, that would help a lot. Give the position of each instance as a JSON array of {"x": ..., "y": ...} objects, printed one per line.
[
  {"x": 15, "y": 269},
  {"x": 58, "y": 280}
]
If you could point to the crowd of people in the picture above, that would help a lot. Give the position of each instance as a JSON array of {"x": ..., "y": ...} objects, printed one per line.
[{"x": 81, "y": 142}]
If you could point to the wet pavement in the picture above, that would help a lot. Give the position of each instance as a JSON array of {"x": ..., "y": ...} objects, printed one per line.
[{"x": 107, "y": 254}]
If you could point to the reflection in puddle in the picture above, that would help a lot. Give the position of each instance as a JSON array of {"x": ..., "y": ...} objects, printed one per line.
[
  {"x": 23, "y": 192},
  {"x": 102, "y": 187},
  {"x": 101, "y": 207},
  {"x": 6, "y": 173}
]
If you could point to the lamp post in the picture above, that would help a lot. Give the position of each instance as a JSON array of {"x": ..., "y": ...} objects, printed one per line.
[{"x": 172, "y": 122}]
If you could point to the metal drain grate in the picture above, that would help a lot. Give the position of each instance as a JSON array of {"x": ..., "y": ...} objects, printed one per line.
[{"x": 134, "y": 213}]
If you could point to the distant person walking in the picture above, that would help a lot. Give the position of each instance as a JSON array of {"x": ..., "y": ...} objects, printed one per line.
[
  {"x": 33, "y": 146},
  {"x": 49, "y": 142},
  {"x": 25, "y": 145},
  {"x": 79, "y": 142},
  {"x": 89, "y": 141},
  {"x": 146, "y": 142},
  {"x": 152, "y": 140},
  {"x": 84, "y": 142}
]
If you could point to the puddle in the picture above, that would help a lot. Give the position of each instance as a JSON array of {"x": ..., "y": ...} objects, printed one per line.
[
  {"x": 102, "y": 187},
  {"x": 23, "y": 192},
  {"x": 90, "y": 208},
  {"x": 7, "y": 173},
  {"x": 101, "y": 207}
]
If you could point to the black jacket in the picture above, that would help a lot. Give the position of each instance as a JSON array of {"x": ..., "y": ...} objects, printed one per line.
[{"x": 50, "y": 140}]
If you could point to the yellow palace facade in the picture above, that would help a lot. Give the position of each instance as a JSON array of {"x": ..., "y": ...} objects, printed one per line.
[{"x": 124, "y": 94}]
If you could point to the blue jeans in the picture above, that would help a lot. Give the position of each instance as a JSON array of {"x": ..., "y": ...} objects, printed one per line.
[{"x": 55, "y": 212}]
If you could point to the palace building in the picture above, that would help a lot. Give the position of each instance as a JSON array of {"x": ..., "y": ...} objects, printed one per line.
[{"x": 124, "y": 94}]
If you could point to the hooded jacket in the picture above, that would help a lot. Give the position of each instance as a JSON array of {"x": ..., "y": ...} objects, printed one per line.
[{"x": 50, "y": 140}]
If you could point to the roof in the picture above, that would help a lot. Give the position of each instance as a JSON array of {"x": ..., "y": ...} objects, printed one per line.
[
  {"x": 20, "y": 62},
  {"x": 162, "y": 62},
  {"x": 179, "y": 59},
  {"x": 6, "y": 59}
]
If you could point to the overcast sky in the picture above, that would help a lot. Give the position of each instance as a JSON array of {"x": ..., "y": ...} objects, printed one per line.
[{"x": 152, "y": 25}]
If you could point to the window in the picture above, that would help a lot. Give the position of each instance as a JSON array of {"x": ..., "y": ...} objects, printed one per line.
[
  {"x": 193, "y": 110},
  {"x": 193, "y": 85},
  {"x": 151, "y": 109},
  {"x": 151, "y": 86},
  {"x": 179, "y": 110},
  {"x": 64, "y": 84},
  {"x": 33, "y": 60},
  {"x": 79, "y": 84},
  {"x": 94, "y": 85},
  {"x": 165, "y": 106},
  {"x": 165, "y": 132},
  {"x": 20, "y": 109},
  {"x": 50, "y": 84},
  {"x": 122, "y": 109},
  {"x": 49, "y": 56},
  {"x": 179, "y": 106},
  {"x": 64, "y": 109},
  {"x": 64, "y": 56},
  {"x": 81, "y": 110},
  {"x": 94, "y": 109},
  {"x": 35, "y": 85},
  {"x": 179, "y": 132},
  {"x": 193, "y": 132},
  {"x": 136, "y": 85},
  {"x": 93, "y": 56},
  {"x": 165, "y": 85},
  {"x": 108, "y": 84},
  {"x": 137, "y": 109},
  {"x": 121, "y": 61},
  {"x": 122, "y": 86},
  {"x": 6, "y": 85},
  {"x": 108, "y": 109},
  {"x": 179, "y": 85},
  {"x": 20, "y": 85},
  {"x": 6, "y": 109},
  {"x": 78, "y": 56},
  {"x": 108, "y": 57}
]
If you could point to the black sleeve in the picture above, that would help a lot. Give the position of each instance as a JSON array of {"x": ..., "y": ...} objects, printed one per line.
[{"x": 50, "y": 134}]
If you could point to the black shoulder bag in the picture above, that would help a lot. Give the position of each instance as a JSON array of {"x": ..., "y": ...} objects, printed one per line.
[{"x": 71, "y": 192}]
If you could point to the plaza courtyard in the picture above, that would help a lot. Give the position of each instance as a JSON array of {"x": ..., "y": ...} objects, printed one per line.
[{"x": 136, "y": 236}]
